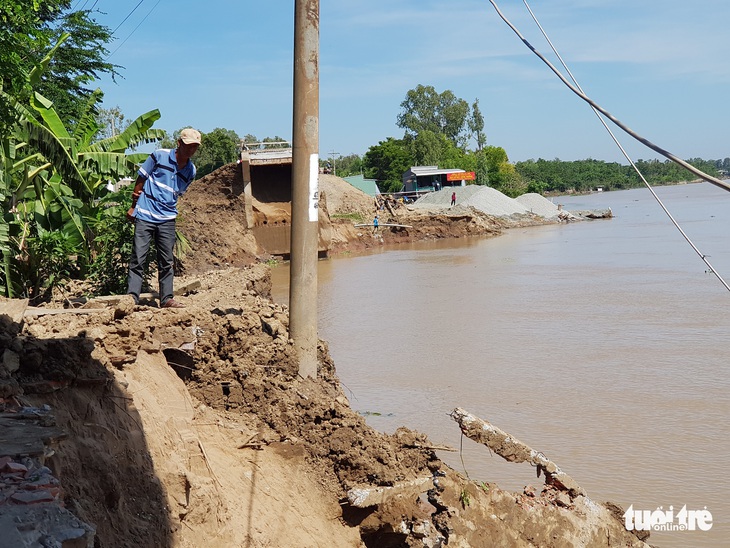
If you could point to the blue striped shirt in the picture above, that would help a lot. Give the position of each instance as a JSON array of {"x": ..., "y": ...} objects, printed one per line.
[{"x": 165, "y": 183}]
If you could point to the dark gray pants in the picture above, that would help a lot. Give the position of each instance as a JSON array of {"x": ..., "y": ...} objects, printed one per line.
[{"x": 164, "y": 236}]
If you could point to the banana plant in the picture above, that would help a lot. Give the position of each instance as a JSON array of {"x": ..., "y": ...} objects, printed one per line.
[
  {"x": 51, "y": 178},
  {"x": 86, "y": 166}
]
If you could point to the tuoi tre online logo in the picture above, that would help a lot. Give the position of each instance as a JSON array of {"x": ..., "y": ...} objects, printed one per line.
[{"x": 667, "y": 520}]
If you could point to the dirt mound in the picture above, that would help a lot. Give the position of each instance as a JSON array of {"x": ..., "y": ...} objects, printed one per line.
[
  {"x": 343, "y": 198},
  {"x": 213, "y": 219},
  {"x": 243, "y": 430}
]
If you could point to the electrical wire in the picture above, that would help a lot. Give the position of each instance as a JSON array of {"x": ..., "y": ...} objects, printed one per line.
[
  {"x": 128, "y": 16},
  {"x": 134, "y": 29},
  {"x": 701, "y": 174},
  {"x": 626, "y": 155},
  {"x": 598, "y": 110}
]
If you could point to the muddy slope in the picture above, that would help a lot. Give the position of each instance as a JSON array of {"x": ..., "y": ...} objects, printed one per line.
[{"x": 191, "y": 427}]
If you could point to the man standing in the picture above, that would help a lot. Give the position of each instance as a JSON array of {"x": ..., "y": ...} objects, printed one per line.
[
  {"x": 163, "y": 177},
  {"x": 453, "y": 198}
]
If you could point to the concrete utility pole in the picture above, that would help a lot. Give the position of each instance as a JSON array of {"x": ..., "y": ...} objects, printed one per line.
[
  {"x": 334, "y": 161},
  {"x": 305, "y": 187}
]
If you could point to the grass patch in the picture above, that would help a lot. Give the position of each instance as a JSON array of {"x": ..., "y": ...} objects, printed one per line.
[{"x": 355, "y": 217}]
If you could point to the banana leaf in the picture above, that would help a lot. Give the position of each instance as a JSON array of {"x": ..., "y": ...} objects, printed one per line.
[
  {"x": 50, "y": 116},
  {"x": 87, "y": 126},
  {"x": 53, "y": 149},
  {"x": 138, "y": 132},
  {"x": 34, "y": 77}
]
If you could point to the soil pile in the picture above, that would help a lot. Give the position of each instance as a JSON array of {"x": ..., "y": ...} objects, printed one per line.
[
  {"x": 213, "y": 219},
  {"x": 343, "y": 198}
]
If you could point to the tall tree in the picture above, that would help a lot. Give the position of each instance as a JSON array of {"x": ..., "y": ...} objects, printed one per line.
[
  {"x": 29, "y": 28},
  {"x": 424, "y": 109},
  {"x": 24, "y": 33},
  {"x": 476, "y": 125},
  {"x": 349, "y": 165},
  {"x": 386, "y": 162},
  {"x": 111, "y": 122},
  {"x": 217, "y": 148},
  {"x": 427, "y": 148},
  {"x": 501, "y": 174},
  {"x": 77, "y": 63},
  {"x": 275, "y": 142},
  {"x": 249, "y": 139}
]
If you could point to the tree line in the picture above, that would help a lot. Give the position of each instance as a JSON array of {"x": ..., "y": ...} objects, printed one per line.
[
  {"x": 438, "y": 129},
  {"x": 557, "y": 176}
]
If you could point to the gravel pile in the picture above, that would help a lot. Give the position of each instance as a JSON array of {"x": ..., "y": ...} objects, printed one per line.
[
  {"x": 538, "y": 204},
  {"x": 493, "y": 202},
  {"x": 486, "y": 199},
  {"x": 442, "y": 198}
]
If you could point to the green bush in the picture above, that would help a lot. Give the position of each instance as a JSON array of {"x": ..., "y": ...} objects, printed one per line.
[
  {"x": 48, "y": 260},
  {"x": 112, "y": 245}
]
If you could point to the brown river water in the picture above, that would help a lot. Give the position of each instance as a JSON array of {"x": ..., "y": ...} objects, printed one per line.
[{"x": 604, "y": 344}]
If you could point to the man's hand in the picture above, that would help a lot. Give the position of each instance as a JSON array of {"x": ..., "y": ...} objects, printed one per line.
[{"x": 135, "y": 196}]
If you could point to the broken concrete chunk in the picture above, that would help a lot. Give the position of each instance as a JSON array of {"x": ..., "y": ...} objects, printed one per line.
[
  {"x": 513, "y": 450},
  {"x": 363, "y": 497}
]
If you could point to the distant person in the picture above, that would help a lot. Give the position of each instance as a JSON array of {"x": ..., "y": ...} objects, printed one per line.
[
  {"x": 163, "y": 177},
  {"x": 375, "y": 224},
  {"x": 453, "y": 198}
]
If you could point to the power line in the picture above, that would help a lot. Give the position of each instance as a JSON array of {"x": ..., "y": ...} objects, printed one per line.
[
  {"x": 701, "y": 174},
  {"x": 128, "y": 16},
  {"x": 135, "y": 28},
  {"x": 598, "y": 109},
  {"x": 74, "y": 8}
]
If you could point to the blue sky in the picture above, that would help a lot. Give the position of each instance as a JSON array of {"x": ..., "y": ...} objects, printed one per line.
[{"x": 659, "y": 66}]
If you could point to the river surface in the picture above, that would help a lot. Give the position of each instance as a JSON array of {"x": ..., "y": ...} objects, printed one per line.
[{"x": 604, "y": 344}]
